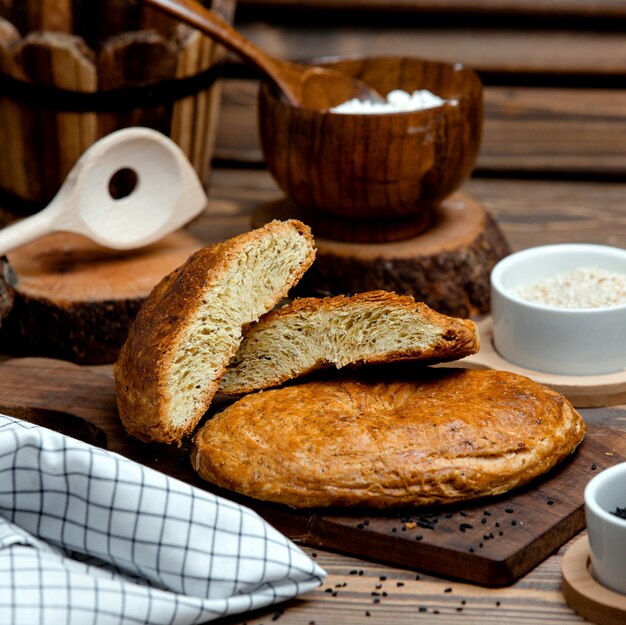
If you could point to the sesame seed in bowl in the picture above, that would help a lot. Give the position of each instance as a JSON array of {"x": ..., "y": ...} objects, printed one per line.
[
  {"x": 561, "y": 309},
  {"x": 584, "y": 287}
]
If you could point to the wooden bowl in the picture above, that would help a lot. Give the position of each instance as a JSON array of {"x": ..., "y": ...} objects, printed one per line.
[{"x": 373, "y": 166}]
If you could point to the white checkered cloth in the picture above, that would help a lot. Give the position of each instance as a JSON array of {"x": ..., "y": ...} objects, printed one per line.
[{"x": 90, "y": 537}]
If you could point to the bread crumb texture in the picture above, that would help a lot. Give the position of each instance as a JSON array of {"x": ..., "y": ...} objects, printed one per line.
[
  {"x": 372, "y": 327},
  {"x": 191, "y": 325},
  {"x": 440, "y": 436}
]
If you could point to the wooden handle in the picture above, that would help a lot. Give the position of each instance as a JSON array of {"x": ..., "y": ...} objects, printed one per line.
[
  {"x": 27, "y": 230},
  {"x": 286, "y": 75}
]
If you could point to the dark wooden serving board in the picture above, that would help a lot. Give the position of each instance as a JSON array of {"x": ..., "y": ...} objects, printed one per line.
[{"x": 491, "y": 542}]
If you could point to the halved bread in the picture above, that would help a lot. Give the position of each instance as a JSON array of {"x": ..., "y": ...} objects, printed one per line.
[
  {"x": 372, "y": 327},
  {"x": 436, "y": 435},
  {"x": 191, "y": 325}
]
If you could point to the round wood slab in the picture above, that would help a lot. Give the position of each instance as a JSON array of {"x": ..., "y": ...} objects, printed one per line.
[
  {"x": 447, "y": 266},
  {"x": 591, "y": 391},
  {"x": 75, "y": 300},
  {"x": 584, "y": 594}
]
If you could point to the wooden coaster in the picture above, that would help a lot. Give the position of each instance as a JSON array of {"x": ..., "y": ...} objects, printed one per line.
[
  {"x": 584, "y": 594},
  {"x": 447, "y": 266},
  {"x": 346, "y": 229},
  {"x": 591, "y": 391}
]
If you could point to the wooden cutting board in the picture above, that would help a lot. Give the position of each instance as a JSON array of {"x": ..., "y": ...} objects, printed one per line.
[{"x": 493, "y": 542}]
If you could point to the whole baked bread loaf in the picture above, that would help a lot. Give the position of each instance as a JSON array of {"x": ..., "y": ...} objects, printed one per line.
[
  {"x": 191, "y": 325},
  {"x": 446, "y": 436},
  {"x": 372, "y": 327}
]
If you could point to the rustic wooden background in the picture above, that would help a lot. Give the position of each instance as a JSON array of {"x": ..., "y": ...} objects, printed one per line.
[{"x": 552, "y": 168}]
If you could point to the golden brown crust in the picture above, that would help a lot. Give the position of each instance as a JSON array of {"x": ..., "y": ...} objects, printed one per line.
[
  {"x": 432, "y": 338},
  {"x": 144, "y": 394},
  {"x": 451, "y": 435}
]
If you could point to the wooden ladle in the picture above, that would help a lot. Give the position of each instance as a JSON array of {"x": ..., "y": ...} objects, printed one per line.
[
  {"x": 166, "y": 195},
  {"x": 302, "y": 85}
]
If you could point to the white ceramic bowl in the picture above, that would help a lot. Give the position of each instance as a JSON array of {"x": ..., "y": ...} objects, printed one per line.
[
  {"x": 607, "y": 532},
  {"x": 567, "y": 341}
]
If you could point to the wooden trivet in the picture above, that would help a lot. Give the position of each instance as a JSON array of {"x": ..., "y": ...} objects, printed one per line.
[
  {"x": 584, "y": 594},
  {"x": 591, "y": 391},
  {"x": 447, "y": 266},
  {"x": 346, "y": 229},
  {"x": 75, "y": 300}
]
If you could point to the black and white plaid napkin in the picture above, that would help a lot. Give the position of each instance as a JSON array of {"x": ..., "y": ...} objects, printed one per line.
[{"x": 90, "y": 537}]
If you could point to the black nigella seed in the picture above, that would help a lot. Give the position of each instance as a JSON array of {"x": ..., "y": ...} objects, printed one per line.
[
  {"x": 404, "y": 528},
  {"x": 367, "y": 613},
  {"x": 465, "y": 526},
  {"x": 462, "y": 513},
  {"x": 448, "y": 589},
  {"x": 498, "y": 603},
  {"x": 418, "y": 537},
  {"x": 550, "y": 502},
  {"x": 449, "y": 515},
  {"x": 509, "y": 510},
  {"x": 375, "y": 594},
  {"x": 487, "y": 513},
  {"x": 328, "y": 590},
  {"x": 593, "y": 466},
  {"x": 382, "y": 578},
  {"x": 361, "y": 572},
  {"x": 483, "y": 520},
  {"x": 394, "y": 529},
  {"x": 354, "y": 572},
  {"x": 500, "y": 533},
  {"x": 471, "y": 549},
  {"x": 314, "y": 555},
  {"x": 513, "y": 522},
  {"x": 480, "y": 545},
  {"x": 486, "y": 536},
  {"x": 399, "y": 584},
  {"x": 427, "y": 525},
  {"x": 376, "y": 600},
  {"x": 463, "y": 602},
  {"x": 384, "y": 594},
  {"x": 378, "y": 586},
  {"x": 459, "y": 609},
  {"x": 360, "y": 526},
  {"x": 620, "y": 513},
  {"x": 422, "y": 609},
  {"x": 366, "y": 522}
]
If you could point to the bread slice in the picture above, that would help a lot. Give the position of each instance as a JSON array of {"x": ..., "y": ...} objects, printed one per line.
[
  {"x": 372, "y": 327},
  {"x": 443, "y": 436},
  {"x": 191, "y": 325}
]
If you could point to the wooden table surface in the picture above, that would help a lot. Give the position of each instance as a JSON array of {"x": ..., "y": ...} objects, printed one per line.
[{"x": 552, "y": 168}]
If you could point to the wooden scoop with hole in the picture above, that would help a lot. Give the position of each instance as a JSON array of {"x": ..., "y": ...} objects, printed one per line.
[{"x": 166, "y": 194}]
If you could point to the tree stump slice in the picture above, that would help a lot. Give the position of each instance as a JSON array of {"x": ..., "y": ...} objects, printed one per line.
[
  {"x": 76, "y": 300},
  {"x": 7, "y": 294},
  {"x": 448, "y": 266}
]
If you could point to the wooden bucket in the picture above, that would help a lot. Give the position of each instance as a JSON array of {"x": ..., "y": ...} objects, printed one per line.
[{"x": 73, "y": 71}]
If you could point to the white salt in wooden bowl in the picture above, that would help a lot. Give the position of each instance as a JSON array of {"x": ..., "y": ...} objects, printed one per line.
[{"x": 540, "y": 300}]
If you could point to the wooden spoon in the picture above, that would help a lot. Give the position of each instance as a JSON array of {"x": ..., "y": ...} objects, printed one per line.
[
  {"x": 303, "y": 85},
  {"x": 167, "y": 194}
]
